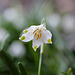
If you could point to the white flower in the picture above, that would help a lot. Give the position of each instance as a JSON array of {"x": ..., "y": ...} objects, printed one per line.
[{"x": 38, "y": 34}]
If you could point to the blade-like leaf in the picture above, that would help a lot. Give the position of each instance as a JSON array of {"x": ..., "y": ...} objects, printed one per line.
[
  {"x": 22, "y": 69},
  {"x": 3, "y": 43},
  {"x": 63, "y": 73},
  {"x": 69, "y": 71},
  {"x": 8, "y": 60}
]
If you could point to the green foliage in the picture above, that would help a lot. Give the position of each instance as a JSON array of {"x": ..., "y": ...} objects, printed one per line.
[
  {"x": 63, "y": 73},
  {"x": 9, "y": 62},
  {"x": 22, "y": 69},
  {"x": 68, "y": 73}
]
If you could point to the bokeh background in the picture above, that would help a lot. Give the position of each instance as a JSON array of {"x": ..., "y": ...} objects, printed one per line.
[{"x": 17, "y": 15}]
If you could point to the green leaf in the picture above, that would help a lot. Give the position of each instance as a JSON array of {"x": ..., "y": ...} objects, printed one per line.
[
  {"x": 9, "y": 62},
  {"x": 63, "y": 73},
  {"x": 3, "y": 43},
  {"x": 22, "y": 69},
  {"x": 69, "y": 71}
]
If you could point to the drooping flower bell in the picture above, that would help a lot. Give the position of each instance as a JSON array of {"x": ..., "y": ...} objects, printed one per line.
[{"x": 38, "y": 34}]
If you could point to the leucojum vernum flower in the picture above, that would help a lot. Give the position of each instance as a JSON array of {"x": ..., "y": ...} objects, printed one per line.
[{"x": 39, "y": 35}]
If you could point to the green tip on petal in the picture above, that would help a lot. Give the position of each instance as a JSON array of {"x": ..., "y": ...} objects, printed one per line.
[
  {"x": 35, "y": 47},
  {"x": 23, "y": 38},
  {"x": 25, "y": 31},
  {"x": 49, "y": 40}
]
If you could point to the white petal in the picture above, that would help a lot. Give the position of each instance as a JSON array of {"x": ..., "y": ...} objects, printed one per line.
[
  {"x": 41, "y": 26},
  {"x": 30, "y": 29},
  {"x": 27, "y": 37},
  {"x": 28, "y": 34},
  {"x": 46, "y": 36},
  {"x": 36, "y": 43}
]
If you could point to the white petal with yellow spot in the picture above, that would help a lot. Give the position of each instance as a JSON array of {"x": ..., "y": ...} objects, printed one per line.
[
  {"x": 28, "y": 34},
  {"x": 46, "y": 36},
  {"x": 30, "y": 29},
  {"x": 36, "y": 43},
  {"x": 27, "y": 37}
]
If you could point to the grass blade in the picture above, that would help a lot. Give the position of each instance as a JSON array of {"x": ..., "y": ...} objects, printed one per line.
[
  {"x": 22, "y": 69},
  {"x": 8, "y": 60}
]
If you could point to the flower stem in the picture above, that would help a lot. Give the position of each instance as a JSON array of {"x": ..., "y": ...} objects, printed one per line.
[
  {"x": 40, "y": 60},
  {"x": 43, "y": 22}
]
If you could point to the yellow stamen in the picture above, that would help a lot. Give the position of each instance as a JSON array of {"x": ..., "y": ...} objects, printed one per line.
[
  {"x": 34, "y": 31},
  {"x": 37, "y": 37},
  {"x": 25, "y": 31},
  {"x": 39, "y": 30},
  {"x": 35, "y": 34},
  {"x": 35, "y": 47},
  {"x": 40, "y": 35},
  {"x": 49, "y": 40},
  {"x": 23, "y": 38}
]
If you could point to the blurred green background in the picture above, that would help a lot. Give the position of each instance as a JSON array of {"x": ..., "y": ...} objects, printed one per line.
[{"x": 17, "y": 15}]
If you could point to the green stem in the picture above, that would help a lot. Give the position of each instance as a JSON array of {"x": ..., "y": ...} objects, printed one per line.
[
  {"x": 40, "y": 60},
  {"x": 41, "y": 50},
  {"x": 43, "y": 22}
]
